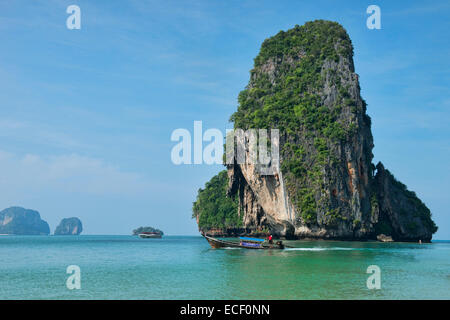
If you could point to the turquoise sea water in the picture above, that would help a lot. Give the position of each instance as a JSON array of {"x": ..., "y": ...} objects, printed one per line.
[{"x": 126, "y": 267}]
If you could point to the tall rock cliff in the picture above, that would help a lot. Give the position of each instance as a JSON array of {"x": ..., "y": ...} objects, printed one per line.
[{"x": 304, "y": 84}]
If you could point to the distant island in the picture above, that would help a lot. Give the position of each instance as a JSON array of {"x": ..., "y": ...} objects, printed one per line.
[
  {"x": 69, "y": 226},
  {"x": 20, "y": 221},
  {"x": 304, "y": 84},
  {"x": 146, "y": 229}
]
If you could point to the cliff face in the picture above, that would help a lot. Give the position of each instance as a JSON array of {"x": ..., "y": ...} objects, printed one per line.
[
  {"x": 304, "y": 84},
  {"x": 20, "y": 221},
  {"x": 69, "y": 226},
  {"x": 399, "y": 212}
]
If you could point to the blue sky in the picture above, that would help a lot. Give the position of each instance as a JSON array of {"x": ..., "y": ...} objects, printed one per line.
[{"x": 86, "y": 115}]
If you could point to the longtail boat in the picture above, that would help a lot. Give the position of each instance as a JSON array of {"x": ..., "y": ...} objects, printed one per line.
[{"x": 244, "y": 242}]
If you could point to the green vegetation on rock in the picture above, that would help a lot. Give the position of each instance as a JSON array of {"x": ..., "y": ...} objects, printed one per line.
[
  {"x": 146, "y": 229},
  {"x": 213, "y": 208}
]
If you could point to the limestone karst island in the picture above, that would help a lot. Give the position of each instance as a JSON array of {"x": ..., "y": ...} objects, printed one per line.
[
  {"x": 20, "y": 221},
  {"x": 304, "y": 83},
  {"x": 69, "y": 226}
]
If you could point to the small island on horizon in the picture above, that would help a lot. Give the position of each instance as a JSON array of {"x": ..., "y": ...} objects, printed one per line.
[
  {"x": 148, "y": 232},
  {"x": 69, "y": 226},
  {"x": 21, "y": 221}
]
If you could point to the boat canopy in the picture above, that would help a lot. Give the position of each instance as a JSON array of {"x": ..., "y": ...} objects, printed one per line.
[{"x": 251, "y": 239}]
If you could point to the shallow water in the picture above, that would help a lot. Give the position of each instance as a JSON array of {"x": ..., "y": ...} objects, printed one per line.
[{"x": 126, "y": 267}]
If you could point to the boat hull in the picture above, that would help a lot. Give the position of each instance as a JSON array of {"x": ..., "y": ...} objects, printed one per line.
[
  {"x": 149, "y": 236},
  {"x": 217, "y": 243}
]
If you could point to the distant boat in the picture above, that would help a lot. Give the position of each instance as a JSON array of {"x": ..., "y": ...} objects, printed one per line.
[
  {"x": 244, "y": 242},
  {"x": 150, "y": 235}
]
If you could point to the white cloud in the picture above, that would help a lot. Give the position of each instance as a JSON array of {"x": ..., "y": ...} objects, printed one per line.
[
  {"x": 39, "y": 134},
  {"x": 66, "y": 173}
]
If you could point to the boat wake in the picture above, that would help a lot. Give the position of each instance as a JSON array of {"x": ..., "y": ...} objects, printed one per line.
[{"x": 319, "y": 249}]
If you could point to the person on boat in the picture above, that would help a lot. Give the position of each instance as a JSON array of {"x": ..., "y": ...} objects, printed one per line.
[{"x": 270, "y": 238}]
